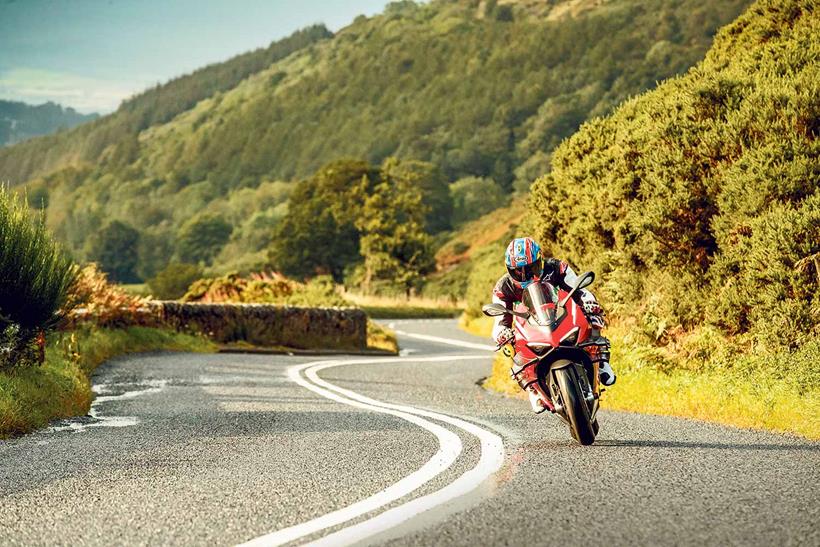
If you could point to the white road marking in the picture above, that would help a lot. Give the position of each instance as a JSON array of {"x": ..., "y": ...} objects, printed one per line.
[
  {"x": 491, "y": 459},
  {"x": 448, "y": 341}
]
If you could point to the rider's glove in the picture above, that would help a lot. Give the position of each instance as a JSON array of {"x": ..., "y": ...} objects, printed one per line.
[
  {"x": 590, "y": 304},
  {"x": 505, "y": 337}
]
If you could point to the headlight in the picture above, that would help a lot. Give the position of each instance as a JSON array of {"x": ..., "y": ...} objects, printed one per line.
[
  {"x": 571, "y": 337},
  {"x": 539, "y": 348}
]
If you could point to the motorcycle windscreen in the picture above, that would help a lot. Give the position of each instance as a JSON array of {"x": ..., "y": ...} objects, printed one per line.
[{"x": 542, "y": 302}]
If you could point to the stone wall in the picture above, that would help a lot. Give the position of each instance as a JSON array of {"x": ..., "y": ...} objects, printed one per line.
[{"x": 269, "y": 325}]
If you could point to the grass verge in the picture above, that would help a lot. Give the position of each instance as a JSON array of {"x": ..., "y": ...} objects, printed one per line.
[
  {"x": 30, "y": 397},
  {"x": 379, "y": 337},
  {"x": 742, "y": 397}
]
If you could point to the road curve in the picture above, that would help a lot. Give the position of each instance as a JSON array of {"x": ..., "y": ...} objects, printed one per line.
[{"x": 228, "y": 449}]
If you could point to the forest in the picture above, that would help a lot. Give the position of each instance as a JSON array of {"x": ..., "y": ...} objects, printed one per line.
[{"x": 200, "y": 170}]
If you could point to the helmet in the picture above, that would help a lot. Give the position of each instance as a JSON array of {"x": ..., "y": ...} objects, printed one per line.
[{"x": 523, "y": 260}]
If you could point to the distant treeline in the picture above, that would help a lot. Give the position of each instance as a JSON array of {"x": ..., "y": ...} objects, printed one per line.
[{"x": 21, "y": 121}]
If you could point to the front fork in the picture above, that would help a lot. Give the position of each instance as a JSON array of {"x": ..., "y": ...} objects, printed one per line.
[{"x": 526, "y": 376}]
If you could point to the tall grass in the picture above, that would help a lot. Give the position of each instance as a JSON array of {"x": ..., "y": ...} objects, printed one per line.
[{"x": 36, "y": 276}]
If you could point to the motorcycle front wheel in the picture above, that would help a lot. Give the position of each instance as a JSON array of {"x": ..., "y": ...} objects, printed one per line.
[{"x": 574, "y": 405}]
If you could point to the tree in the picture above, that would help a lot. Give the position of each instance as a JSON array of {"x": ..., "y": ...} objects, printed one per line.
[
  {"x": 474, "y": 197},
  {"x": 429, "y": 181},
  {"x": 173, "y": 281},
  {"x": 200, "y": 239},
  {"x": 318, "y": 234},
  {"x": 394, "y": 246},
  {"x": 115, "y": 249}
]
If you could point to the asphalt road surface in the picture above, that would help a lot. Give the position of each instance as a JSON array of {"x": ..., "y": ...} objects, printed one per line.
[{"x": 272, "y": 449}]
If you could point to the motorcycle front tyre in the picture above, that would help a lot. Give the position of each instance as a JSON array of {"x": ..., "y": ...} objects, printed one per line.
[{"x": 575, "y": 406}]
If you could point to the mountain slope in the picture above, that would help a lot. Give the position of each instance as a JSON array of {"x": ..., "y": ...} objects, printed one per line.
[
  {"x": 86, "y": 144},
  {"x": 21, "y": 121},
  {"x": 475, "y": 96},
  {"x": 475, "y": 88}
]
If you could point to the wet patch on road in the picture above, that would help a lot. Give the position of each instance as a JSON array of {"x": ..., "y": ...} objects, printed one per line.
[{"x": 106, "y": 393}]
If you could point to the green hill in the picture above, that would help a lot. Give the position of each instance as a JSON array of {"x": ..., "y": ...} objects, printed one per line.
[
  {"x": 21, "y": 121},
  {"x": 478, "y": 89},
  {"x": 88, "y": 144}
]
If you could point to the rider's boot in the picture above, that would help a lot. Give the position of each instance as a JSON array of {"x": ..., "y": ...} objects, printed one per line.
[
  {"x": 524, "y": 374},
  {"x": 536, "y": 401}
]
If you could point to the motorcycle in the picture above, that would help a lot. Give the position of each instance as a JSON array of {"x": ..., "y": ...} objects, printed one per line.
[{"x": 549, "y": 354}]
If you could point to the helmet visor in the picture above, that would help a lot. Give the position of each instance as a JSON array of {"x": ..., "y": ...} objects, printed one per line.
[{"x": 528, "y": 272}]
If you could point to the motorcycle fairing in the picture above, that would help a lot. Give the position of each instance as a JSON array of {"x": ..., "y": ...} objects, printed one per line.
[{"x": 535, "y": 366}]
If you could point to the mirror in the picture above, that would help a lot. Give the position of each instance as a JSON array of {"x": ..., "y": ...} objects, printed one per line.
[
  {"x": 584, "y": 281},
  {"x": 494, "y": 310}
]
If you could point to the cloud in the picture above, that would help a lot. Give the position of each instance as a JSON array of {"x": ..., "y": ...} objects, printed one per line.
[{"x": 84, "y": 94}]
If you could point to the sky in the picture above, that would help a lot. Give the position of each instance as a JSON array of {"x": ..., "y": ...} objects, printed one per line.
[{"x": 92, "y": 54}]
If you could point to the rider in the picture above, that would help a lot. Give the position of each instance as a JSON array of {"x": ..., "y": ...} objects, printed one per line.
[{"x": 525, "y": 265}]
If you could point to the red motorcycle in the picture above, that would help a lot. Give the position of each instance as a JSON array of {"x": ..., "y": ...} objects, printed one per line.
[{"x": 551, "y": 354}]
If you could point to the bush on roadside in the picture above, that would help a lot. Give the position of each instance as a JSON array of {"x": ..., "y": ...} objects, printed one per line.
[
  {"x": 173, "y": 281},
  {"x": 94, "y": 300},
  {"x": 698, "y": 201},
  {"x": 266, "y": 288},
  {"x": 36, "y": 277},
  {"x": 262, "y": 288}
]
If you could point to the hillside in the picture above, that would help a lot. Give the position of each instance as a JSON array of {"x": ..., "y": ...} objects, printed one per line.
[
  {"x": 477, "y": 89},
  {"x": 475, "y": 96},
  {"x": 20, "y": 121},
  {"x": 88, "y": 144}
]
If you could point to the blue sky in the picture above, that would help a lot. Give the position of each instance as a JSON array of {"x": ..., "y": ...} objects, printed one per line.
[{"x": 91, "y": 54}]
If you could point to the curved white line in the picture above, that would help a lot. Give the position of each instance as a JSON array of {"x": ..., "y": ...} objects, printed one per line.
[
  {"x": 492, "y": 455},
  {"x": 449, "y": 449},
  {"x": 491, "y": 460}
]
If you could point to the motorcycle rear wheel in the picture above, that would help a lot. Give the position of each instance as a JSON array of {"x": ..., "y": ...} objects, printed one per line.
[{"x": 575, "y": 406}]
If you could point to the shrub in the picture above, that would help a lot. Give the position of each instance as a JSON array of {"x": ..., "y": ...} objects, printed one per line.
[
  {"x": 93, "y": 299},
  {"x": 488, "y": 266},
  {"x": 266, "y": 288},
  {"x": 173, "y": 281},
  {"x": 35, "y": 278},
  {"x": 262, "y": 288},
  {"x": 699, "y": 201}
]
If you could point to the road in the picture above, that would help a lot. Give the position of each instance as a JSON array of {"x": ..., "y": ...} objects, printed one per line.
[{"x": 232, "y": 448}]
